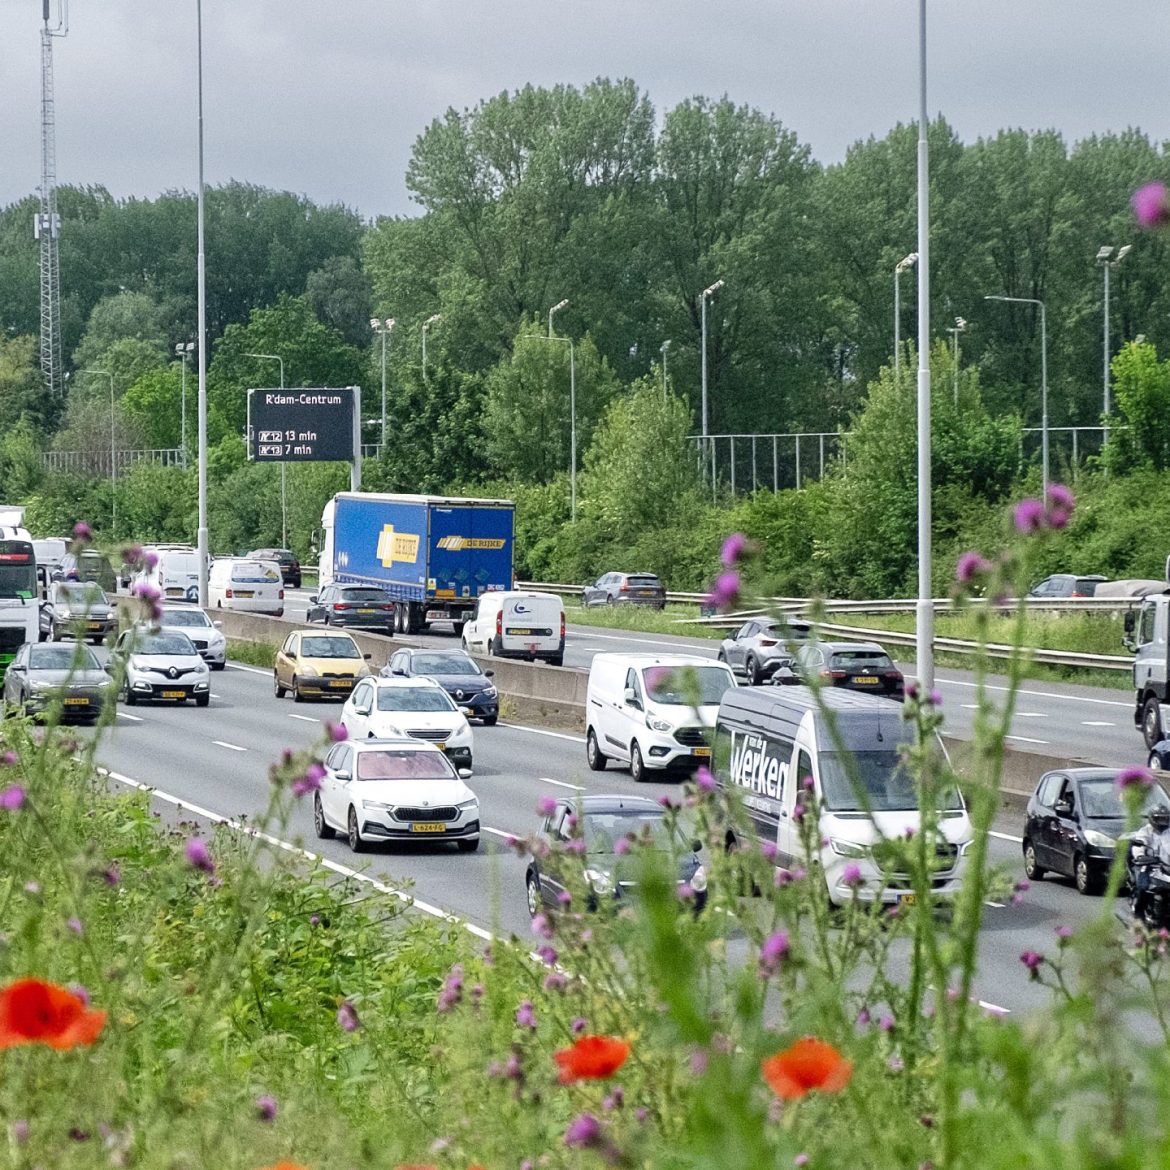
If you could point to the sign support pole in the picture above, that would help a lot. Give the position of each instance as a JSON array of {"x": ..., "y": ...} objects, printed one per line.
[{"x": 355, "y": 467}]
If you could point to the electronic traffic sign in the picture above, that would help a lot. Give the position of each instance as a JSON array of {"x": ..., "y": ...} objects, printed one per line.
[{"x": 300, "y": 425}]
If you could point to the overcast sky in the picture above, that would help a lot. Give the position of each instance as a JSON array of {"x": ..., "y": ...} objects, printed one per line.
[{"x": 326, "y": 97}]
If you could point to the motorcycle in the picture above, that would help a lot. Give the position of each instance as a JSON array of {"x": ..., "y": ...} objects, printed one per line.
[{"x": 1149, "y": 884}]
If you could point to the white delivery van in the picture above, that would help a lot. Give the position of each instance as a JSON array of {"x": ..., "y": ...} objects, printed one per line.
[
  {"x": 652, "y": 712},
  {"x": 251, "y": 586},
  {"x": 768, "y": 739},
  {"x": 518, "y": 625},
  {"x": 175, "y": 574}
]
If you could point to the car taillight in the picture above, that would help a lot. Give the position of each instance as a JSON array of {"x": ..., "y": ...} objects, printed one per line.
[
  {"x": 834, "y": 674},
  {"x": 624, "y": 587},
  {"x": 227, "y": 593},
  {"x": 894, "y": 674},
  {"x": 562, "y": 625},
  {"x": 499, "y": 622},
  {"x": 280, "y": 595},
  {"x": 388, "y": 608},
  {"x": 768, "y": 642},
  {"x": 339, "y": 605}
]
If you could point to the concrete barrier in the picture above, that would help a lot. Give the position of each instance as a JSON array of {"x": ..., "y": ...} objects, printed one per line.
[{"x": 557, "y": 694}]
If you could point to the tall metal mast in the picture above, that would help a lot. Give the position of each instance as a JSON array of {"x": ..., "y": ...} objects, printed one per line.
[{"x": 47, "y": 223}]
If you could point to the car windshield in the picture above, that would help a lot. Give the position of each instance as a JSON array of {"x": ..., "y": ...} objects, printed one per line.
[
  {"x": 443, "y": 664},
  {"x": 85, "y": 594},
  {"x": 879, "y": 780},
  {"x": 51, "y": 657},
  {"x": 364, "y": 594},
  {"x": 1101, "y": 800},
  {"x": 414, "y": 699},
  {"x": 403, "y": 765},
  {"x": 163, "y": 644},
  {"x": 602, "y": 830},
  {"x": 853, "y": 659},
  {"x": 329, "y": 647},
  {"x": 690, "y": 686},
  {"x": 185, "y": 617}
]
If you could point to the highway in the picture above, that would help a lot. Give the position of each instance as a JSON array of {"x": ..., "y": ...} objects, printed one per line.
[
  {"x": 217, "y": 759},
  {"x": 1054, "y": 719}
]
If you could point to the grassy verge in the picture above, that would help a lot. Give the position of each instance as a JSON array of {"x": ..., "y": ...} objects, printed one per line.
[
  {"x": 642, "y": 619},
  {"x": 251, "y": 653}
]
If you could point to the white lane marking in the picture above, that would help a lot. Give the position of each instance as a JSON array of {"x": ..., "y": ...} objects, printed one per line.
[
  {"x": 336, "y": 867},
  {"x": 652, "y": 641},
  {"x": 249, "y": 669},
  {"x": 235, "y": 747},
  {"x": 994, "y": 1008},
  {"x": 303, "y": 718},
  {"x": 545, "y": 731},
  {"x": 957, "y": 682},
  {"x": 1025, "y": 739},
  {"x": 995, "y": 905},
  {"x": 132, "y": 718},
  {"x": 214, "y": 695},
  {"x": 499, "y": 833},
  {"x": 971, "y": 706},
  {"x": 1096, "y": 723},
  {"x": 1005, "y": 836},
  {"x": 561, "y": 783},
  {"x": 1031, "y": 715}
]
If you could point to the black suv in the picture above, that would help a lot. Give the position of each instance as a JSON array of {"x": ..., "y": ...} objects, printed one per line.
[
  {"x": 290, "y": 567},
  {"x": 360, "y": 607}
]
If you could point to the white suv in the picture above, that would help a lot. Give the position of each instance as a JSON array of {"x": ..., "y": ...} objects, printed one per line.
[{"x": 159, "y": 666}]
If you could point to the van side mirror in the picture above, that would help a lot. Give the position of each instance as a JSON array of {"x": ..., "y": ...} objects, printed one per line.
[
  {"x": 1130, "y": 621},
  {"x": 631, "y": 698},
  {"x": 696, "y": 846},
  {"x": 343, "y": 776},
  {"x": 368, "y": 657}
]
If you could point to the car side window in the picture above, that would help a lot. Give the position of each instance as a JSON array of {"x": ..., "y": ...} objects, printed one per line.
[
  {"x": 1048, "y": 791},
  {"x": 342, "y": 764},
  {"x": 560, "y": 823},
  {"x": 632, "y": 684},
  {"x": 746, "y": 631},
  {"x": 287, "y": 648},
  {"x": 804, "y": 767},
  {"x": 1145, "y": 633},
  {"x": 1068, "y": 792}
]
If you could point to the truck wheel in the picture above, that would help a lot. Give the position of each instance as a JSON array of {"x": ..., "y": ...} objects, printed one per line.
[
  {"x": 1151, "y": 722},
  {"x": 413, "y": 618},
  {"x": 457, "y": 628}
]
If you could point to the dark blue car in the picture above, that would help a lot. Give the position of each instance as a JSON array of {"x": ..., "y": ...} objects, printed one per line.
[{"x": 456, "y": 672}]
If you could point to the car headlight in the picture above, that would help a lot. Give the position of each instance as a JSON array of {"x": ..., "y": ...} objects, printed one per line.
[
  {"x": 201, "y": 668},
  {"x": 490, "y": 693},
  {"x": 307, "y": 670},
  {"x": 380, "y": 805},
  {"x": 1100, "y": 840},
  {"x": 599, "y": 881},
  {"x": 656, "y": 724},
  {"x": 468, "y": 805},
  {"x": 40, "y": 688},
  {"x": 847, "y": 848},
  {"x": 698, "y": 881}
]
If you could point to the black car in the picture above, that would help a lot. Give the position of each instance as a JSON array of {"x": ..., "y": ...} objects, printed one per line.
[
  {"x": 856, "y": 666},
  {"x": 602, "y": 821},
  {"x": 625, "y": 589},
  {"x": 1072, "y": 824},
  {"x": 1067, "y": 585},
  {"x": 456, "y": 672},
  {"x": 290, "y": 567},
  {"x": 358, "y": 607}
]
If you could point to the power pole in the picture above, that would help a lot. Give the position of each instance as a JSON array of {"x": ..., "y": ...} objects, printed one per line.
[{"x": 47, "y": 223}]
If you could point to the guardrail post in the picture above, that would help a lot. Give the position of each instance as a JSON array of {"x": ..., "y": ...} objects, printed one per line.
[
  {"x": 798, "y": 462},
  {"x": 753, "y": 464},
  {"x": 731, "y": 440},
  {"x": 775, "y": 467},
  {"x": 822, "y": 439}
]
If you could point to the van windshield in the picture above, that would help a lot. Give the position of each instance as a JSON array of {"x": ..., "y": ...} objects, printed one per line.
[
  {"x": 884, "y": 782},
  {"x": 701, "y": 686}
]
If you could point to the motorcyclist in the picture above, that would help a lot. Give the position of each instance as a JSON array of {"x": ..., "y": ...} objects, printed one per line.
[{"x": 1152, "y": 840}]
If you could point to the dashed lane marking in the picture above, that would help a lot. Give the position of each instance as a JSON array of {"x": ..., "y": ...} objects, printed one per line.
[
  {"x": 1026, "y": 739},
  {"x": 562, "y": 783},
  {"x": 1005, "y": 837},
  {"x": 235, "y": 747},
  {"x": 1096, "y": 723},
  {"x": 545, "y": 731},
  {"x": 958, "y": 682},
  {"x": 303, "y": 718},
  {"x": 249, "y": 669},
  {"x": 132, "y": 718}
]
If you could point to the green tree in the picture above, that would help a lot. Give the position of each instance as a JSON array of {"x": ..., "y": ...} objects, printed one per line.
[
  {"x": 21, "y": 388},
  {"x": 153, "y": 403},
  {"x": 341, "y": 296},
  {"x": 1141, "y": 386},
  {"x": 114, "y": 318}
]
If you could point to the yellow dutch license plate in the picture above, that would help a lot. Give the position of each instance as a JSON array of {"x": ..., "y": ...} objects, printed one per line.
[
  {"x": 174, "y": 694},
  {"x": 95, "y": 625},
  {"x": 173, "y": 591},
  {"x": 245, "y": 593},
  {"x": 340, "y": 682},
  {"x": 76, "y": 702},
  {"x": 366, "y": 611},
  {"x": 427, "y": 827},
  {"x": 906, "y": 899},
  {"x": 524, "y": 631},
  {"x": 702, "y": 753},
  {"x": 866, "y": 680}
]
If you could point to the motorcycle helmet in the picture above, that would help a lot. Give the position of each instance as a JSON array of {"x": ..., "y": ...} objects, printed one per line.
[{"x": 1159, "y": 818}]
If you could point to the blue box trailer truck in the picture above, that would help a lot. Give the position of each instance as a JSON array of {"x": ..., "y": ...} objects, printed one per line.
[{"x": 434, "y": 555}]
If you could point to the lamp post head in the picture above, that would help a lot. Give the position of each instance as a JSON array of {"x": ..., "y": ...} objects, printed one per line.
[
  {"x": 665, "y": 345},
  {"x": 1104, "y": 252},
  {"x": 432, "y": 319},
  {"x": 374, "y": 322},
  {"x": 390, "y": 323},
  {"x": 713, "y": 288},
  {"x": 960, "y": 324},
  {"x": 906, "y": 262},
  {"x": 559, "y": 306},
  {"x": 1123, "y": 251}
]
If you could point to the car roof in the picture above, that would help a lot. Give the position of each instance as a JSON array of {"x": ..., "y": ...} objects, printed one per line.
[
  {"x": 833, "y": 647},
  {"x": 419, "y": 683},
  {"x": 398, "y": 742},
  {"x": 611, "y": 802},
  {"x": 1080, "y": 774},
  {"x": 325, "y": 632},
  {"x": 457, "y": 650}
]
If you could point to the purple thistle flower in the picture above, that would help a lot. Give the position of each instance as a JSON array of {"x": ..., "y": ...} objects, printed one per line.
[
  {"x": 548, "y": 955},
  {"x": 337, "y": 732},
  {"x": 564, "y": 898},
  {"x": 198, "y": 855},
  {"x": 1064, "y": 933},
  {"x": 546, "y": 805},
  {"x": 583, "y": 1132},
  {"x": 314, "y": 920},
  {"x": 800, "y": 1160},
  {"x": 12, "y": 797},
  {"x": 733, "y": 549},
  {"x": 641, "y": 1113},
  {"x": 667, "y": 801},
  {"x": 700, "y": 1058},
  {"x": 773, "y": 951},
  {"x": 266, "y": 1107},
  {"x": 935, "y": 698},
  {"x": 1032, "y": 960},
  {"x": 970, "y": 565},
  {"x": 310, "y": 781},
  {"x": 82, "y": 531},
  {"x": 615, "y": 1100},
  {"x": 131, "y": 554},
  {"x": 768, "y": 850},
  {"x": 725, "y": 592},
  {"x": 1061, "y": 503},
  {"x": 578, "y": 1025},
  {"x": 347, "y": 1017},
  {"x": 576, "y": 845},
  {"x": 886, "y": 1023},
  {"x": 149, "y": 595},
  {"x": 1030, "y": 516},
  {"x": 863, "y": 1017},
  {"x": 555, "y": 981},
  {"x": 526, "y": 1015},
  {"x": 20, "y": 1131},
  {"x": 851, "y": 875},
  {"x": 1136, "y": 778},
  {"x": 1151, "y": 205},
  {"x": 110, "y": 875},
  {"x": 704, "y": 779},
  {"x": 9, "y": 758},
  {"x": 542, "y": 927},
  {"x": 75, "y": 926},
  {"x": 81, "y": 992}
]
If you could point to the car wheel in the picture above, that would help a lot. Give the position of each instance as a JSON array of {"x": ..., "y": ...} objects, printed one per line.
[
  {"x": 593, "y": 754},
  {"x": 296, "y": 691},
  {"x": 637, "y": 765},
  {"x": 559, "y": 660},
  {"x": 1151, "y": 722},
  {"x": 326, "y": 620},
  {"x": 535, "y": 903},
  {"x": 1154, "y": 763},
  {"x": 202, "y": 700},
  {"x": 131, "y": 697},
  {"x": 609, "y": 599},
  {"x": 468, "y": 844},
  {"x": 1033, "y": 870},
  {"x": 463, "y": 643},
  {"x": 721, "y": 657},
  {"x": 752, "y": 669},
  {"x": 1088, "y": 881},
  {"x": 55, "y": 636},
  {"x": 355, "y": 837},
  {"x": 320, "y": 826},
  {"x": 457, "y": 628},
  {"x": 490, "y": 720},
  {"x": 277, "y": 689}
]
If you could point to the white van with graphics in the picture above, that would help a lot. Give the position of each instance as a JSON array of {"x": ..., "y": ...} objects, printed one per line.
[
  {"x": 768, "y": 739},
  {"x": 652, "y": 712},
  {"x": 175, "y": 574},
  {"x": 250, "y": 586},
  {"x": 518, "y": 625}
]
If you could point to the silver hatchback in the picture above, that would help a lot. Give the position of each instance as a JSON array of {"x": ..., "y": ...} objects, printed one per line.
[{"x": 761, "y": 646}]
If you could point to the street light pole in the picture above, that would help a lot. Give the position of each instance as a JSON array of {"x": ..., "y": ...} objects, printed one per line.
[
  {"x": 924, "y": 619},
  {"x": 665, "y": 347},
  {"x": 113, "y": 454},
  {"x": 201, "y": 282},
  {"x": 1104, "y": 258},
  {"x": 1043, "y": 378},
  {"x": 707, "y": 292},
  {"x": 384, "y": 328},
  {"x": 959, "y": 326},
  {"x": 906, "y": 262},
  {"x": 426, "y": 325},
  {"x": 272, "y": 357},
  {"x": 554, "y": 310},
  {"x": 184, "y": 351},
  {"x": 572, "y": 415}
]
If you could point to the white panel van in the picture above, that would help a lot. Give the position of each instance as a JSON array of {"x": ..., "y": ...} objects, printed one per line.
[
  {"x": 175, "y": 574},
  {"x": 518, "y": 625},
  {"x": 652, "y": 712},
  {"x": 251, "y": 586},
  {"x": 768, "y": 739}
]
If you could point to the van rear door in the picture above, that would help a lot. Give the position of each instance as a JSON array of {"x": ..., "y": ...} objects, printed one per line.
[{"x": 531, "y": 623}]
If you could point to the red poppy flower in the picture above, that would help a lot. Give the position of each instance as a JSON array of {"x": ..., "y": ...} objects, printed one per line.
[
  {"x": 591, "y": 1058},
  {"x": 35, "y": 1012},
  {"x": 809, "y": 1064}
]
